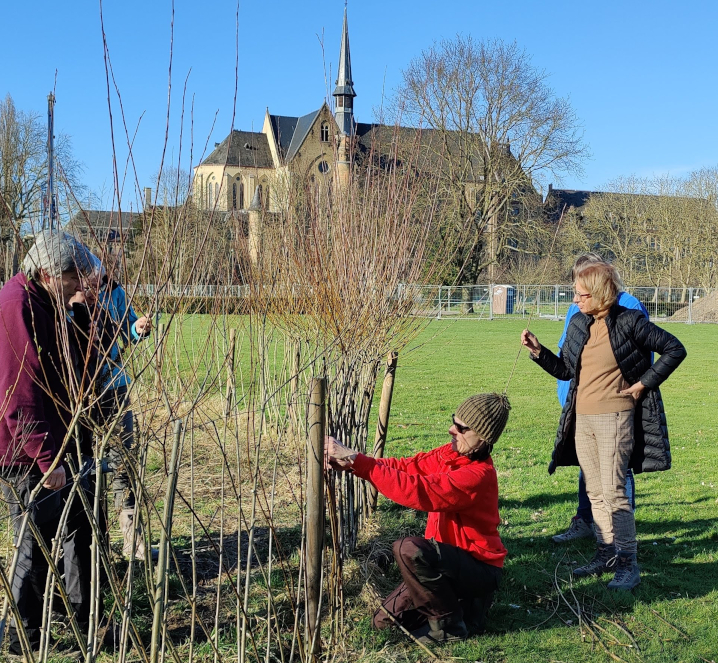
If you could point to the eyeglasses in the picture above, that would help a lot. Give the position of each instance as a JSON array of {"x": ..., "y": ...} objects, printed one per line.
[
  {"x": 461, "y": 429},
  {"x": 581, "y": 295}
]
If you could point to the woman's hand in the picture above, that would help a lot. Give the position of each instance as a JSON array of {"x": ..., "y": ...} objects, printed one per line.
[
  {"x": 635, "y": 390},
  {"x": 531, "y": 342},
  {"x": 337, "y": 456}
]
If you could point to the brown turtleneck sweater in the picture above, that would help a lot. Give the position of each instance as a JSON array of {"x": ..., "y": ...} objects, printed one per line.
[{"x": 599, "y": 377}]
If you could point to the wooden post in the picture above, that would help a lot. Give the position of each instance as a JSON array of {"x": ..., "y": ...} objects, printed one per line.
[
  {"x": 382, "y": 423},
  {"x": 231, "y": 352},
  {"x": 315, "y": 509},
  {"x": 164, "y": 552},
  {"x": 293, "y": 405},
  {"x": 159, "y": 344}
]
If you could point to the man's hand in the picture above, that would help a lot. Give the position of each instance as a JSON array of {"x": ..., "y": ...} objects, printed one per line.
[
  {"x": 337, "y": 456},
  {"x": 143, "y": 326},
  {"x": 56, "y": 479},
  {"x": 635, "y": 390}
]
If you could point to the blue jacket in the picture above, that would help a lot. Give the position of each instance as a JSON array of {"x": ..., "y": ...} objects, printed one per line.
[
  {"x": 625, "y": 300},
  {"x": 113, "y": 299}
]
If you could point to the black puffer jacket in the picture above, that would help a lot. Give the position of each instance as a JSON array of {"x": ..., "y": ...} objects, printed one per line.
[{"x": 632, "y": 338}]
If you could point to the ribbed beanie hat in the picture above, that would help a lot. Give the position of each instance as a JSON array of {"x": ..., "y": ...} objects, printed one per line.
[{"x": 485, "y": 414}]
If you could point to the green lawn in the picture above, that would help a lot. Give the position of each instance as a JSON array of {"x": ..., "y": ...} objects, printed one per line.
[
  {"x": 677, "y": 513},
  {"x": 538, "y": 614}
]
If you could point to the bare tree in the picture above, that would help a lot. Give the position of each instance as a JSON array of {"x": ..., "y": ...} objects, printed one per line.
[
  {"x": 174, "y": 186},
  {"x": 23, "y": 167},
  {"x": 501, "y": 132},
  {"x": 659, "y": 231}
]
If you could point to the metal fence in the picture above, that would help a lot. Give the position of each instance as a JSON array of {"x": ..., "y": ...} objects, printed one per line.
[
  {"x": 687, "y": 305},
  {"x": 487, "y": 302}
]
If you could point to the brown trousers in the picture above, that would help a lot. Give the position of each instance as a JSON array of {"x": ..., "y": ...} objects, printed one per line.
[{"x": 440, "y": 580}]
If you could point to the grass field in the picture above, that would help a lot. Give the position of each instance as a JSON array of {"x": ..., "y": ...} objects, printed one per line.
[
  {"x": 672, "y": 615},
  {"x": 538, "y": 615}
]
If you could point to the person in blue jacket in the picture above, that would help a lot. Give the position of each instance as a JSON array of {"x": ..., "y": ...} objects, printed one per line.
[
  {"x": 582, "y": 523},
  {"x": 120, "y": 325}
]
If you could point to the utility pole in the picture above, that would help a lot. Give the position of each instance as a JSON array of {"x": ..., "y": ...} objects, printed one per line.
[{"x": 49, "y": 207}]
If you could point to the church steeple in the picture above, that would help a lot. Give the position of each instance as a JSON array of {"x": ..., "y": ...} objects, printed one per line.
[{"x": 344, "y": 91}]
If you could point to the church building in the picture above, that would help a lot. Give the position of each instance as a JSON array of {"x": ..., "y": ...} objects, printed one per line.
[{"x": 315, "y": 145}]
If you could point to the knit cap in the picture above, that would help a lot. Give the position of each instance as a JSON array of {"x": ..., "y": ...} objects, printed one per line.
[{"x": 485, "y": 414}]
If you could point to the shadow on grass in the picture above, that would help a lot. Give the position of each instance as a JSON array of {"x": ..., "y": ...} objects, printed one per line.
[
  {"x": 234, "y": 547},
  {"x": 538, "y": 571},
  {"x": 537, "y": 501}
]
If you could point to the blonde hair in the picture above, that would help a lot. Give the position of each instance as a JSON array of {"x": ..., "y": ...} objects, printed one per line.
[
  {"x": 583, "y": 260},
  {"x": 602, "y": 281}
]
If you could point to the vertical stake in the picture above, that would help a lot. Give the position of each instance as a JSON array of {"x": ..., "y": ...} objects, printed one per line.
[
  {"x": 230, "y": 371},
  {"x": 382, "y": 423},
  {"x": 315, "y": 509},
  {"x": 165, "y": 536}
]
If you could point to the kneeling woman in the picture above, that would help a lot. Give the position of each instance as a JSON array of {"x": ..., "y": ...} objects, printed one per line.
[
  {"x": 613, "y": 418},
  {"x": 451, "y": 573}
]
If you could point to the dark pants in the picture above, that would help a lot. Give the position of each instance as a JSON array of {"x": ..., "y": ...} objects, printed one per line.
[
  {"x": 77, "y": 551},
  {"x": 584, "y": 504},
  {"x": 28, "y": 583},
  {"x": 439, "y": 581},
  {"x": 111, "y": 403}
]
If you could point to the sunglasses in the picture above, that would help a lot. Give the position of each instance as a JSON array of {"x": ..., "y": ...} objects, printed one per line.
[{"x": 461, "y": 429}]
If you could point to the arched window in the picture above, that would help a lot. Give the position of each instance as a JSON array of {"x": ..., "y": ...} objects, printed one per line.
[
  {"x": 209, "y": 195},
  {"x": 325, "y": 133},
  {"x": 234, "y": 195},
  {"x": 216, "y": 191},
  {"x": 241, "y": 195}
]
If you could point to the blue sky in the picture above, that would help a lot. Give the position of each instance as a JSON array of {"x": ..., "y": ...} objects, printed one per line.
[{"x": 640, "y": 75}]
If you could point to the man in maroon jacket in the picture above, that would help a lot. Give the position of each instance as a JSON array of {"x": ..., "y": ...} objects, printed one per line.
[
  {"x": 37, "y": 367},
  {"x": 451, "y": 573}
]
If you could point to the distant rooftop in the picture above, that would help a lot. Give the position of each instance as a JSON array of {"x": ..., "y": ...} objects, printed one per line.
[{"x": 242, "y": 148}]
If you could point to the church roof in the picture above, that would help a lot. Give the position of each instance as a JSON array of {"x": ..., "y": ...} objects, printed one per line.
[
  {"x": 344, "y": 84},
  {"x": 283, "y": 127},
  {"x": 246, "y": 148},
  {"x": 290, "y": 132}
]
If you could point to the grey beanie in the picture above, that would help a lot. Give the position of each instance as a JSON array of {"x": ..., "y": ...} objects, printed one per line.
[
  {"x": 485, "y": 414},
  {"x": 56, "y": 252}
]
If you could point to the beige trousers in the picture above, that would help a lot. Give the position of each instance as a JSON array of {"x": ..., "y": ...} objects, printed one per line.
[{"x": 604, "y": 443}]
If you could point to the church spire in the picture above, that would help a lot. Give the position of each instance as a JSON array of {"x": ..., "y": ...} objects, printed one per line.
[{"x": 344, "y": 91}]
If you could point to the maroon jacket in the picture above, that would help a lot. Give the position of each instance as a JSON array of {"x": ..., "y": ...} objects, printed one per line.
[{"x": 32, "y": 367}]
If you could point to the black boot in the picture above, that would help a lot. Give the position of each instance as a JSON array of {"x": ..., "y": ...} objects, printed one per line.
[
  {"x": 603, "y": 561},
  {"x": 475, "y": 612},
  {"x": 446, "y": 629}
]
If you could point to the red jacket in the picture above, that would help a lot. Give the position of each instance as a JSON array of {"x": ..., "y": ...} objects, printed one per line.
[{"x": 460, "y": 495}]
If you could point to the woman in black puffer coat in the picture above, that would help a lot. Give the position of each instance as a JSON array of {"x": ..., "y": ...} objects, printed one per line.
[{"x": 613, "y": 418}]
